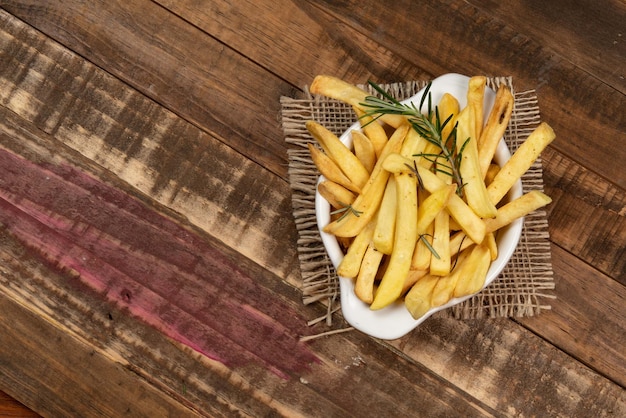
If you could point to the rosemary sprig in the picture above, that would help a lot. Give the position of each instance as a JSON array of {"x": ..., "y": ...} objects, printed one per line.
[
  {"x": 428, "y": 125},
  {"x": 345, "y": 210},
  {"x": 429, "y": 246},
  {"x": 413, "y": 169}
]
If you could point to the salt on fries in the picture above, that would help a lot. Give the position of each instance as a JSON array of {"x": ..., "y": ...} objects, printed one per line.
[{"x": 410, "y": 232}]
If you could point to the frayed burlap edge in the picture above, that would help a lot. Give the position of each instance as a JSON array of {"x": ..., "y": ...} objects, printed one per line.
[{"x": 524, "y": 287}]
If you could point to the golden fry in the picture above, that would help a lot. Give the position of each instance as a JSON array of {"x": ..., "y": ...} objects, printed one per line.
[
  {"x": 351, "y": 262},
  {"x": 418, "y": 299},
  {"x": 337, "y": 89},
  {"x": 367, "y": 203},
  {"x": 421, "y": 254},
  {"x": 391, "y": 285},
  {"x": 490, "y": 242},
  {"x": 373, "y": 130},
  {"x": 473, "y": 272},
  {"x": 517, "y": 208},
  {"x": 339, "y": 153},
  {"x": 521, "y": 160},
  {"x": 386, "y": 219},
  {"x": 364, "y": 284},
  {"x": 513, "y": 210},
  {"x": 444, "y": 289},
  {"x": 473, "y": 226},
  {"x": 413, "y": 144},
  {"x": 330, "y": 170},
  {"x": 412, "y": 278},
  {"x": 440, "y": 262},
  {"x": 495, "y": 127},
  {"x": 337, "y": 195},
  {"x": 474, "y": 188},
  {"x": 448, "y": 107},
  {"x": 364, "y": 150},
  {"x": 475, "y": 99},
  {"x": 492, "y": 171},
  {"x": 432, "y": 205}
]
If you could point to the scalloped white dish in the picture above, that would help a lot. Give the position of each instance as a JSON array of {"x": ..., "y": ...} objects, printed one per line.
[{"x": 395, "y": 320}]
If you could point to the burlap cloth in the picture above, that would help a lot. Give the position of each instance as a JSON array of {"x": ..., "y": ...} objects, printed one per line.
[{"x": 525, "y": 285}]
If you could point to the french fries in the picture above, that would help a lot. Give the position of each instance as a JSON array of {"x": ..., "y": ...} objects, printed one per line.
[
  {"x": 347, "y": 162},
  {"x": 474, "y": 188},
  {"x": 386, "y": 219},
  {"x": 419, "y": 229},
  {"x": 494, "y": 129},
  {"x": 366, "y": 204},
  {"x": 364, "y": 150},
  {"x": 390, "y": 287},
  {"x": 337, "y": 195},
  {"x": 520, "y": 161}
]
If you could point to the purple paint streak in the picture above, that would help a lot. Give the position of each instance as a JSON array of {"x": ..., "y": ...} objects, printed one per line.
[{"x": 162, "y": 273}]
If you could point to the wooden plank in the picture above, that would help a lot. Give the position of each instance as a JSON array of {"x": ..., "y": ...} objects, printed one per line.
[
  {"x": 587, "y": 320},
  {"x": 150, "y": 148},
  {"x": 211, "y": 20},
  {"x": 588, "y": 214},
  {"x": 91, "y": 383},
  {"x": 9, "y": 407},
  {"x": 541, "y": 380},
  {"x": 178, "y": 66},
  {"x": 598, "y": 47},
  {"x": 350, "y": 369},
  {"x": 342, "y": 367},
  {"x": 282, "y": 27},
  {"x": 216, "y": 18},
  {"x": 111, "y": 332}
]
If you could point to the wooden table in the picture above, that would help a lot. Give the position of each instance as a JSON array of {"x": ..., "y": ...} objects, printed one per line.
[{"x": 141, "y": 143}]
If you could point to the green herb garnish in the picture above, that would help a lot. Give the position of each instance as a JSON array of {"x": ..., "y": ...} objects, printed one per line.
[
  {"x": 345, "y": 211},
  {"x": 428, "y": 125}
]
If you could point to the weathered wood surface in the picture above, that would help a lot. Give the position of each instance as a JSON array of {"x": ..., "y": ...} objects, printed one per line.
[{"x": 141, "y": 140}]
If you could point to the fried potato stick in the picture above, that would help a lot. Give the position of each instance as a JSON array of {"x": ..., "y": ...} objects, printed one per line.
[
  {"x": 473, "y": 272},
  {"x": 521, "y": 160},
  {"x": 364, "y": 284},
  {"x": 337, "y": 195},
  {"x": 506, "y": 214},
  {"x": 386, "y": 219},
  {"x": 469, "y": 222},
  {"x": 372, "y": 129},
  {"x": 495, "y": 127},
  {"x": 339, "y": 153},
  {"x": 418, "y": 298},
  {"x": 364, "y": 150},
  {"x": 330, "y": 170},
  {"x": 392, "y": 283},
  {"x": 338, "y": 89},
  {"x": 367, "y": 203},
  {"x": 351, "y": 262},
  {"x": 474, "y": 187}
]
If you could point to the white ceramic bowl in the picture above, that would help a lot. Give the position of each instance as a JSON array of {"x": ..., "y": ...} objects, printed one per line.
[{"x": 395, "y": 320}]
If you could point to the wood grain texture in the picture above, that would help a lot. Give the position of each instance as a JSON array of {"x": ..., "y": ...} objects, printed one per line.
[
  {"x": 599, "y": 46},
  {"x": 136, "y": 138},
  {"x": 174, "y": 105},
  {"x": 587, "y": 318},
  {"x": 588, "y": 215},
  {"x": 9, "y": 407},
  {"x": 172, "y": 63},
  {"x": 458, "y": 27}
]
